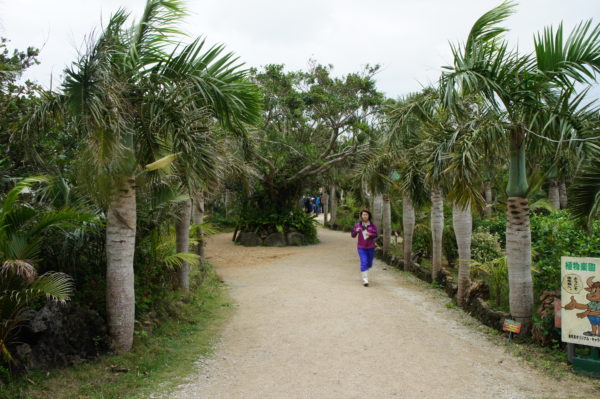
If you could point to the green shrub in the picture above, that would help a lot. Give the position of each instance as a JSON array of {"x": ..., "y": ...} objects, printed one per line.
[
  {"x": 485, "y": 247},
  {"x": 449, "y": 245},
  {"x": 346, "y": 218},
  {"x": 495, "y": 274},
  {"x": 298, "y": 221},
  {"x": 422, "y": 240},
  {"x": 557, "y": 235},
  {"x": 495, "y": 225}
]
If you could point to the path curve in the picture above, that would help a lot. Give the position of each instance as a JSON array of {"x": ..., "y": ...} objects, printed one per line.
[{"x": 305, "y": 327}]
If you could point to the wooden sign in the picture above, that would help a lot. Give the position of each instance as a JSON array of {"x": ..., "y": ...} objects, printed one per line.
[{"x": 512, "y": 326}]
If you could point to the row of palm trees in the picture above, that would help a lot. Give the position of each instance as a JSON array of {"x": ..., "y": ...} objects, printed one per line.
[
  {"x": 492, "y": 108},
  {"x": 148, "y": 110}
]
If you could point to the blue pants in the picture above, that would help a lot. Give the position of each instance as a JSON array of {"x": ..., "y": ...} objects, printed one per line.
[{"x": 366, "y": 258}]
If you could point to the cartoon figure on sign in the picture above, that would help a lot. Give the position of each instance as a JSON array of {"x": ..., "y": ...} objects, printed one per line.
[{"x": 592, "y": 309}]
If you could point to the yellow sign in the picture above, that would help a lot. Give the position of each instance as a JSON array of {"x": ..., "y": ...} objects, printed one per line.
[{"x": 580, "y": 299}]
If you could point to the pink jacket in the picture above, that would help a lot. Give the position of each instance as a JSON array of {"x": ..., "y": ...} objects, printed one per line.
[{"x": 362, "y": 242}]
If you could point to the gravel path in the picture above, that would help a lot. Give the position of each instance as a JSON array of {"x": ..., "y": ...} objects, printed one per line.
[{"x": 305, "y": 327}]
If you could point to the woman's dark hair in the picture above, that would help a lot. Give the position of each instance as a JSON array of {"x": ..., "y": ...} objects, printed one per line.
[{"x": 367, "y": 211}]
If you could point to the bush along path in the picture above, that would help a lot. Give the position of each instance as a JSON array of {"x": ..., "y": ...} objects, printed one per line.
[{"x": 304, "y": 326}]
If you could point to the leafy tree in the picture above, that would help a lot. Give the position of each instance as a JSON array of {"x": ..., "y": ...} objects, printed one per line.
[
  {"x": 136, "y": 104},
  {"x": 524, "y": 88},
  {"x": 312, "y": 122}
]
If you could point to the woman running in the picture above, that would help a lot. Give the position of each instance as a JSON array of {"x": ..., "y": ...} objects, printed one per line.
[{"x": 367, "y": 233}]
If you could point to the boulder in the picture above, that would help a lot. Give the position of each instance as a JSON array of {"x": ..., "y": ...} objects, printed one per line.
[
  {"x": 60, "y": 335},
  {"x": 275, "y": 240},
  {"x": 248, "y": 239},
  {"x": 295, "y": 238}
]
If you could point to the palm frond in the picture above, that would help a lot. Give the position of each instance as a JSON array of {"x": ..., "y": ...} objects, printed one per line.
[
  {"x": 584, "y": 195},
  {"x": 486, "y": 29},
  {"x": 52, "y": 285},
  {"x": 174, "y": 261},
  {"x": 577, "y": 58}
]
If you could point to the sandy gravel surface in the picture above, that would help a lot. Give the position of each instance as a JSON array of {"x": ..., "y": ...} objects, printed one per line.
[{"x": 305, "y": 327}]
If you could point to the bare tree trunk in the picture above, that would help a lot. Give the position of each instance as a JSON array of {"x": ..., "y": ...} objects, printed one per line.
[
  {"x": 562, "y": 190},
  {"x": 182, "y": 243},
  {"x": 198, "y": 219},
  {"x": 462, "y": 221},
  {"x": 387, "y": 223},
  {"x": 518, "y": 253},
  {"x": 437, "y": 229},
  {"x": 227, "y": 202},
  {"x": 333, "y": 201},
  {"x": 121, "y": 222},
  {"x": 553, "y": 193},
  {"x": 325, "y": 202},
  {"x": 487, "y": 192},
  {"x": 408, "y": 225},
  {"x": 378, "y": 209}
]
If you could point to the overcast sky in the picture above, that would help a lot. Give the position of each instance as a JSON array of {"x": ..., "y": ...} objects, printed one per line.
[{"x": 408, "y": 38}]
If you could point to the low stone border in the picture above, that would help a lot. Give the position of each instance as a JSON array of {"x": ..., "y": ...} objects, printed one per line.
[{"x": 477, "y": 294}]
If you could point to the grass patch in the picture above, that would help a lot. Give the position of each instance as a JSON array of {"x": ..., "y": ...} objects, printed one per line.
[{"x": 157, "y": 363}]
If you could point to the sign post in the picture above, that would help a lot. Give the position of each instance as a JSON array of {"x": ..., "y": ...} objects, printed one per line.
[
  {"x": 513, "y": 327},
  {"x": 580, "y": 313}
]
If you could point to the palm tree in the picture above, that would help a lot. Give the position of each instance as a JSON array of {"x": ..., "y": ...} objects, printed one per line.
[
  {"x": 403, "y": 136},
  {"x": 434, "y": 127},
  {"x": 520, "y": 86},
  {"x": 121, "y": 99}
]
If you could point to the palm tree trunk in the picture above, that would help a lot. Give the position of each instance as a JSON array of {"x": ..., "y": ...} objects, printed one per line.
[
  {"x": 518, "y": 253},
  {"x": 333, "y": 201},
  {"x": 562, "y": 191},
  {"x": 387, "y": 223},
  {"x": 518, "y": 236},
  {"x": 120, "y": 247},
  {"x": 553, "y": 193},
  {"x": 182, "y": 242},
  {"x": 462, "y": 221},
  {"x": 487, "y": 192},
  {"x": 325, "y": 202},
  {"x": 378, "y": 209},
  {"x": 437, "y": 229},
  {"x": 408, "y": 225},
  {"x": 198, "y": 219}
]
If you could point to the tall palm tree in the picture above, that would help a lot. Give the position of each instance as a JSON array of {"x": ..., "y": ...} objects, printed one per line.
[
  {"x": 120, "y": 99},
  {"x": 403, "y": 137},
  {"x": 435, "y": 125},
  {"x": 520, "y": 86}
]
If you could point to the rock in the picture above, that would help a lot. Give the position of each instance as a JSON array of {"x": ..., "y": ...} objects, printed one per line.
[
  {"x": 275, "y": 240},
  {"x": 295, "y": 238},
  {"x": 59, "y": 335},
  {"x": 249, "y": 239},
  {"x": 421, "y": 273}
]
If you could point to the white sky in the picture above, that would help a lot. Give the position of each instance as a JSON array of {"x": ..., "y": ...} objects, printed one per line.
[{"x": 409, "y": 38}]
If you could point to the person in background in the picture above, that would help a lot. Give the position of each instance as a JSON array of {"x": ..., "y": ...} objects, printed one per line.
[
  {"x": 367, "y": 233},
  {"x": 318, "y": 207}
]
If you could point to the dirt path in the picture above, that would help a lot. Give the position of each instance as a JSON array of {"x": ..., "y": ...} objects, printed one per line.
[{"x": 305, "y": 327}]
